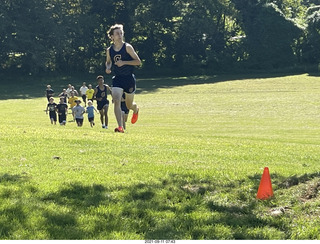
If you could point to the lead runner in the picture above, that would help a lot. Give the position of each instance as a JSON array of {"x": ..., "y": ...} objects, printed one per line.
[{"x": 122, "y": 57}]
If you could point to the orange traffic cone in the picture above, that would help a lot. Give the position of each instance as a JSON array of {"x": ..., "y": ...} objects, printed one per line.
[{"x": 265, "y": 187}]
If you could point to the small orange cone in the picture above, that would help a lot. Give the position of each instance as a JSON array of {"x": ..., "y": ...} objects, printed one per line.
[{"x": 265, "y": 187}]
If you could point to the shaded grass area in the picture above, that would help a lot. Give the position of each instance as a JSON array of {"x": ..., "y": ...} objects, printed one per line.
[
  {"x": 135, "y": 210},
  {"x": 170, "y": 209},
  {"x": 28, "y": 87}
]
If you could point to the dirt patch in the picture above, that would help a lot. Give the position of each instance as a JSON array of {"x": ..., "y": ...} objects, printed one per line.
[
  {"x": 292, "y": 181},
  {"x": 312, "y": 191},
  {"x": 194, "y": 189},
  {"x": 279, "y": 211},
  {"x": 296, "y": 180}
]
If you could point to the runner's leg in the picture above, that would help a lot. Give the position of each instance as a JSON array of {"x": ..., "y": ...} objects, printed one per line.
[
  {"x": 116, "y": 96},
  {"x": 130, "y": 103},
  {"x": 101, "y": 116},
  {"x": 105, "y": 110}
]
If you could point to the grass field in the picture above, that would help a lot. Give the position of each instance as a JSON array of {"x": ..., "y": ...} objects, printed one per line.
[{"x": 188, "y": 169}]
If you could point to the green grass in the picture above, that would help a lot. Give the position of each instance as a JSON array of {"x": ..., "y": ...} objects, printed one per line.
[{"x": 189, "y": 169}]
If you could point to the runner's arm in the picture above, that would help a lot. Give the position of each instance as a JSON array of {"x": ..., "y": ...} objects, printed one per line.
[
  {"x": 108, "y": 62},
  {"x": 94, "y": 94}
]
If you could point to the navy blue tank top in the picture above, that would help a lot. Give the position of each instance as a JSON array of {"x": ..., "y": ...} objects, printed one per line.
[
  {"x": 102, "y": 93},
  {"x": 123, "y": 55}
]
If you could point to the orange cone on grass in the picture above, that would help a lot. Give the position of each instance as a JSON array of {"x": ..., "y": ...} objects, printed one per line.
[{"x": 265, "y": 187}]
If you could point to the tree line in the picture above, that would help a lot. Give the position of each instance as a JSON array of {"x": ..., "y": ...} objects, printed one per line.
[{"x": 216, "y": 35}]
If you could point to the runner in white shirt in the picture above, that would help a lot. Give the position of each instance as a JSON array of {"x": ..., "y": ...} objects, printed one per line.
[
  {"x": 83, "y": 90},
  {"x": 68, "y": 90}
]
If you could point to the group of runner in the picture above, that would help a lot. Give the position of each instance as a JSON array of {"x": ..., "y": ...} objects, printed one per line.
[
  {"x": 121, "y": 57},
  {"x": 69, "y": 99}
]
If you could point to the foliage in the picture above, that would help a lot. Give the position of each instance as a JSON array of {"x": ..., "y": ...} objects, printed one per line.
[
  {"x": 59, "y": 35},
  {"x": 311, "y": 51},
  {"x": 269, "y": 35}
]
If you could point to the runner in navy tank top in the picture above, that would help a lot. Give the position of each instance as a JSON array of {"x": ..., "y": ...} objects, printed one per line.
[
  {"x": 122, "y": 54},
  {"x": 100, "y": 94},
  {"x": 124, "y": 77},
  {"x": 122, "y": 57}
]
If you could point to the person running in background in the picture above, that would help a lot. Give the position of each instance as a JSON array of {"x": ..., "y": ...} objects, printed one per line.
[
  {"x": 122, "y": 57},
  {"x": 90, "y": 93},
  {"x": 62, "y": 110},
  {"x": 90, "y": 110},
  {"x": 68, "y": 90},
  {"x": 83, "y": 89},
  {"x": 76, "y": 93},
  {"x": 78, "y": 112},
  {"x": 64, "y": 94},
  {"x": 72, "y": 101},
  {"x": 100, "y": 94},
  {"x": 51, "y": 107},
  {"x": 49, "y": 92}
]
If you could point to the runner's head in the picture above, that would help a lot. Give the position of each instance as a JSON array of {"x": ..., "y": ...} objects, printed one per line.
[
  {"x": 100, "y": 79},
  {"x": 116, "y": 32}
]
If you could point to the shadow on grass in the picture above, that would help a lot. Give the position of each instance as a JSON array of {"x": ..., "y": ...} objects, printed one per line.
[
  {"x": 152, "y": 211},
  {"x": 10, "y": 178},
  {"x": 286, "y": 182},
  {"x": 28, "y": 87},
  {"x": 177, "y": 207},
  {"x": 14, "y": 213},
  {"x": 165, "y": 210}
]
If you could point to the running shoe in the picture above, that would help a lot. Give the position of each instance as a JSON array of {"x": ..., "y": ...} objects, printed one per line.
[
  {"x": 135, "y": 117},
  {"x": 119, "y": 129}
]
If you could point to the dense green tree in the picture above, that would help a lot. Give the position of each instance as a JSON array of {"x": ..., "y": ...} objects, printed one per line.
[
  {"x": 269, "y": 35},
  {"x": 311, "y": 45},
  {"x": 25, "y": 35},
  {"x": 184, "y": 33},
  {"x": 70, "y": 35}
]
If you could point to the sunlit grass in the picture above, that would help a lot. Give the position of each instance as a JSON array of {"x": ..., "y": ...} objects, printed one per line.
[{"x": 189, "y": 168}]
